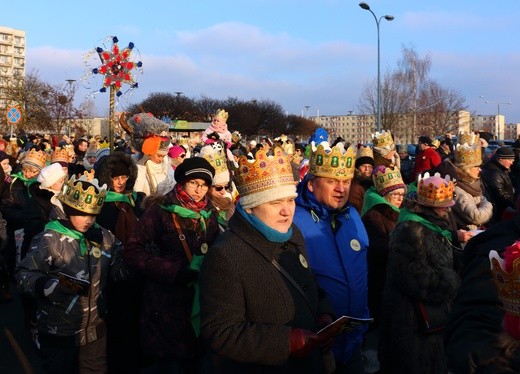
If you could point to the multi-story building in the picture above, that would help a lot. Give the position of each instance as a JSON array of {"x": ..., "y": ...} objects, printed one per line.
[
  {"x": 12, "y": 61},
  {"x": 512, "y": 131},
  {"x": 492, "y": 123}
]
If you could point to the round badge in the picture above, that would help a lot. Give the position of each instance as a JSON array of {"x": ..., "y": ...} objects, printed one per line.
[
  {"x": 354, "y": 244},
  {"x": 204, "y": 248},
  {"x": 303, "y": 261},
  {"x": 96, "y": 252}
]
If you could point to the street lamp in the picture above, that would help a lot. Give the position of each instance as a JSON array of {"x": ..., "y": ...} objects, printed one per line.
[
  {"x": 365, "y": 6},
  {"x": 499, "y": 128},
  {"x": 69, "y": 100}
]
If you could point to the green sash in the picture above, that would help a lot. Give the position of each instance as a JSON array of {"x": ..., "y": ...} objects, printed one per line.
[
  {"x": 202, "y": 216},
  {"x": 123, "y": 198},
  {"x": 59, "y": 228},
  {"x": 406, "y": 215}
]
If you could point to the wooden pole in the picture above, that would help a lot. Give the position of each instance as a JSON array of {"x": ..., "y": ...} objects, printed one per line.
[{"x": 112, "y": 118}]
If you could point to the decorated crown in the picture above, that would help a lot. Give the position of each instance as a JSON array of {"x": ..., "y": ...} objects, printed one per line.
[
  {"x": 60, "y": 155},
  {"x": 468, "y": 154},
  {"x": 88, "y": 201},
  {"x": 221, "y": 114},
  {"x": 335, "y": 162},
  {"x": 383, "y": 139},
  {"x": 469, "y": 138},
  {"x": 364, "y": 151},
  {"x": 387, "y": 179},
  {"x": 264, "y": 172},
  {"x": 506, "y": 275},
  {"x": 217, "y": 158},
  {"x": 434, "y": 191},
  {"x": 35, "y": 158}
]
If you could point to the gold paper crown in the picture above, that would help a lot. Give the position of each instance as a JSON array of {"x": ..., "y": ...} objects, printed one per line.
[
  {"x": 35, "y": 158},
  {"x": 222, "y": 114},
  {"x": 264, "y": 172},
  {"x": 469, "y": 138},
  {"x": 60, "y": 155},
  {"x": 468, "y": 155},
  {"x": 383, "y": 139},
  {"x": 364, "y": 151},
  {"x": 217, "y": 159},
  {"x": 387, "y": 179},
  {"x": 507, "y": 283},
  {"x": 435, "y": 191},
  {"x": 88, "y": 201},
  {"x": 333, "y": 163}
]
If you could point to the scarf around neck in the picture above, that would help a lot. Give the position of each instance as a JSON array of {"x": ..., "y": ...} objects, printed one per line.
[
  {"x": 113, "y": 196},
  {"x": 407, "y": 215},
  {"x": 26, "y": 181},
  {"x": 270, "y": 234},
  {"x": 189, "y": 208},
  {"x": 61, "y": 229}
]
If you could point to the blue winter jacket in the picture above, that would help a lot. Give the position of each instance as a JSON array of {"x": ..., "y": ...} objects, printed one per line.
[{"x": 338, "y": 258}]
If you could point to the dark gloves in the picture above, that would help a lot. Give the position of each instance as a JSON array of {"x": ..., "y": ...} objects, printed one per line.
[
  {"x": 302, "y": 342},
  {"x": 186, "y": 276}
]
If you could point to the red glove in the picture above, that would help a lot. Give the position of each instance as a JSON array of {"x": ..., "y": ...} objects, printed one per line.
[{"x": 302, "y": 342}]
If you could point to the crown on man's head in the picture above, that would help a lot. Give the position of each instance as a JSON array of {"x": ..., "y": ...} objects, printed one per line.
[
  {"x": 89, "y": 200},
  {"x": 383, "y": 139},
  {"x": 264, "y": 172},
  {"x": 506, "y": 276},
  {"x": 35, "y": 158},
  {"x": 335, "y": 162},
  {"x": 434, "y": 191},
  {"x": 364, "y": 151},
  {"x": 468, "y": 154},
  {"x": 221, "y": 114},
  {"x": 469, "y": 138}
]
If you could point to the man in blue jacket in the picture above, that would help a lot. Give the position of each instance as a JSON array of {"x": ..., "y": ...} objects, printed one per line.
[{"x": 336, "y": 242}]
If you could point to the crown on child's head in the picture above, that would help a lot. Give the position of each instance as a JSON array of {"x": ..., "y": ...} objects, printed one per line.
[
  {"x": 35, "y": 158},
  {"x": 89, "y": 200},
  {"x": 364, "y": 151},
  {"x": 383, "y": 139},
  {"x": 60, "y": 155},
  {"x": 335, "y": 162},
  {"x": 221, "y": 114},
  {"x": 216, "y": 157}
]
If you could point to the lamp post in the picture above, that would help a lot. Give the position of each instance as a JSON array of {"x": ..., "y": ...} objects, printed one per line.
[
  {"x": 499, "y": 129},
  {"x": 388, "y": 17},
  {"x": 69, "y": 101}
]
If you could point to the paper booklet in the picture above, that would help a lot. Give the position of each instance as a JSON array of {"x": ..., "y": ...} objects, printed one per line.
[
  {"x": 79, "y": 285},
  {"x": 343, "y": 324}
]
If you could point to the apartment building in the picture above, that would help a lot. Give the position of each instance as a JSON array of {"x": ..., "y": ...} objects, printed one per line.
[{"x": 12, "y": 60}]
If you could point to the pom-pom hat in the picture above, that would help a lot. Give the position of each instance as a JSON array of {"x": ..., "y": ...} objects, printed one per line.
[{"x": 434, "y": 191}]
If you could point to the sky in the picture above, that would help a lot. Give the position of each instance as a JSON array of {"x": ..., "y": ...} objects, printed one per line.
[{"x": 297, "y": 53}]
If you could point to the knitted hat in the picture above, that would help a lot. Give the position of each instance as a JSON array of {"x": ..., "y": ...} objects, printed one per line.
[
  {"x": 155, "y": 144},
  {"x": 387, "y": 179},
  {"x": 35, "y": 158},
  {"x": 264, "y": 179},
  {"x": 3, "y": 156},
  {"x": 195, "y": 168},
  {"x": 176, "y": 151},
  {"x": 364, "y": 155},
  {"x": 434, "y": 191},
  {"x": 50, "y": 175},
  {"x": 102, "y": 152},
  {"x": 504, "y": 153}
]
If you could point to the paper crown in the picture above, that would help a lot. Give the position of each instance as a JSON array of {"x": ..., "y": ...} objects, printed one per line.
[
  {"x": 387, "y": 179},
  {"x": 364, "y": 151},
  {"x": 469, "y": 138},
  {"x": 434, "y": 191},
  {"x": 335, "y": 162},
  {"x": 264, "y": 172},
  {"x": 468, "y": 154},
  {"x": 60, "y": 155},
  {"x": 383, "y": 139},
  {"x": 88, "y": 201},
  {"x": 506, "y": 276},
  {"x": 35, "y": 158},
  {"x": 216, "y": 157},
  {"x": 221, "y": 114}
]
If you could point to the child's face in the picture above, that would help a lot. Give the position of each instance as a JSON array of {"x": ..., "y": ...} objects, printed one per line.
[{"x": 82, "y": 223}]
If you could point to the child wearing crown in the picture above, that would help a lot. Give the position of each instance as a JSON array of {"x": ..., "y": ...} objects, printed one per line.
[
  {"x": 65, "y": 272},
  {"x": 218, "y": 130}
]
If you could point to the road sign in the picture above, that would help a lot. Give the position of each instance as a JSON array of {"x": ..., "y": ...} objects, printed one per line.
[{"x": 14, "y": 115}]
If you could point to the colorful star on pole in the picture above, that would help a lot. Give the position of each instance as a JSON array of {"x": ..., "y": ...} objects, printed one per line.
[{"x": 116, "y": 66}]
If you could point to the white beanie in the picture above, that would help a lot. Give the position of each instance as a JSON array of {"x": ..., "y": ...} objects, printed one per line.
[{"x": 50, "y": 175}]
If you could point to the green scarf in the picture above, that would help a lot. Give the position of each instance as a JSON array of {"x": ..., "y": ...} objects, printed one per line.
[
  {"x": 196, "y": 263},
  {"x": 373, "y": 198},
  {"x": 59, "y": 228},
  {"x": 26, "y": 181},
  {"x": 406, "y": 215},
  {"x": 202, "y": 216},
  {"x": 124, "y": 198}
]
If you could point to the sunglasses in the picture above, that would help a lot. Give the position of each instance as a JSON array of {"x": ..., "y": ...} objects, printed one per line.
[
  {"x": 219, "y": 188},
  {"x": 183, "y": 155}
]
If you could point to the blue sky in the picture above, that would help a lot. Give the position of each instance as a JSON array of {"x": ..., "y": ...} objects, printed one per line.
[{"x": 294, "y": 52}]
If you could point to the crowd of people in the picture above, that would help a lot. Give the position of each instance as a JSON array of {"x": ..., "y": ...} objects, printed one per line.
[{"x": 213, "y": 254}]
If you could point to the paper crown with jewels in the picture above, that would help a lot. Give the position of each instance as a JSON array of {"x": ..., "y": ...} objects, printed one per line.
[
  {"x": 221, "y": 114},
  {"x": 37, "y": 159},
  {"x": 216, "y": 157},
  {"x": 364, "y": 151},
  {"x": 89, "y": 200},
  {"x": 387, "y": 179},
  {"x": 335, "y": 162},
  {"x": 383, "y": 139},
  {"x": 468, "y": 154},
  {"x": 264, "y": 179},
  {"x": 60, "y": 155},
  {"x": 434, "y": 191},
  {"x": 469, "y": 138}
]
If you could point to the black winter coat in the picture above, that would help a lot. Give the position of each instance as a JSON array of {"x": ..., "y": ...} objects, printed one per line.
[{"x": 498, "y": 188}]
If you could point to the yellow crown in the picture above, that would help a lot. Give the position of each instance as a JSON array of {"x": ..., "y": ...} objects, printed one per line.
[
  {"x": 364, "y": 151},
  {"x": 435, "y": 191},
  {"x": 383, "y": 139},
  {"x": 333, "y": 163},
  {"x": 468, "y": 155},
  {"x": 35, "y": 158},
  {"x": 222, "y": 114},
  {"x": 264, "y": 172},
  {"x": 88, "y": 201},
  {"x": 469, "y": 138},
  {"x": 387, "y": 179},
  {"x": 507, "y": 283},
  {"x": 216, "y": 158},
  {"x": 60, "y": 155}
]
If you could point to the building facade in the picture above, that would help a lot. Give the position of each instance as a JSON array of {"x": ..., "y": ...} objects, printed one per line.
[{"x": 12, "y": 61}]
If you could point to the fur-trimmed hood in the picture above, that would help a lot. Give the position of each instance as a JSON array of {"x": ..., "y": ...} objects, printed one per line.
[{"x": 104, "y": 169}]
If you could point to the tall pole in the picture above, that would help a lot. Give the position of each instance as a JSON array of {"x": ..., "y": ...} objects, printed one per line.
[
  {"x": 111, "y": 120},
  {"x": 365, "y": 6}
]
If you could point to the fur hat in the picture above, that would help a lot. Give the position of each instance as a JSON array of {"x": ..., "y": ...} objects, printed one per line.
[
  {"x": 114, "y": 165},
  {"x": 50, "y": 175},
  {"x": 195, "y": 168}
]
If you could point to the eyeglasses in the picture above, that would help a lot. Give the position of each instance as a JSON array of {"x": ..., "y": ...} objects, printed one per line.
[
  {"x": 194, "y": 185},
  {"x": 219, "y": 188},
  {"x": 397, "y": 195},
  {"x": 182, "y": 156},
  {"x": 121, "y": 178}
]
